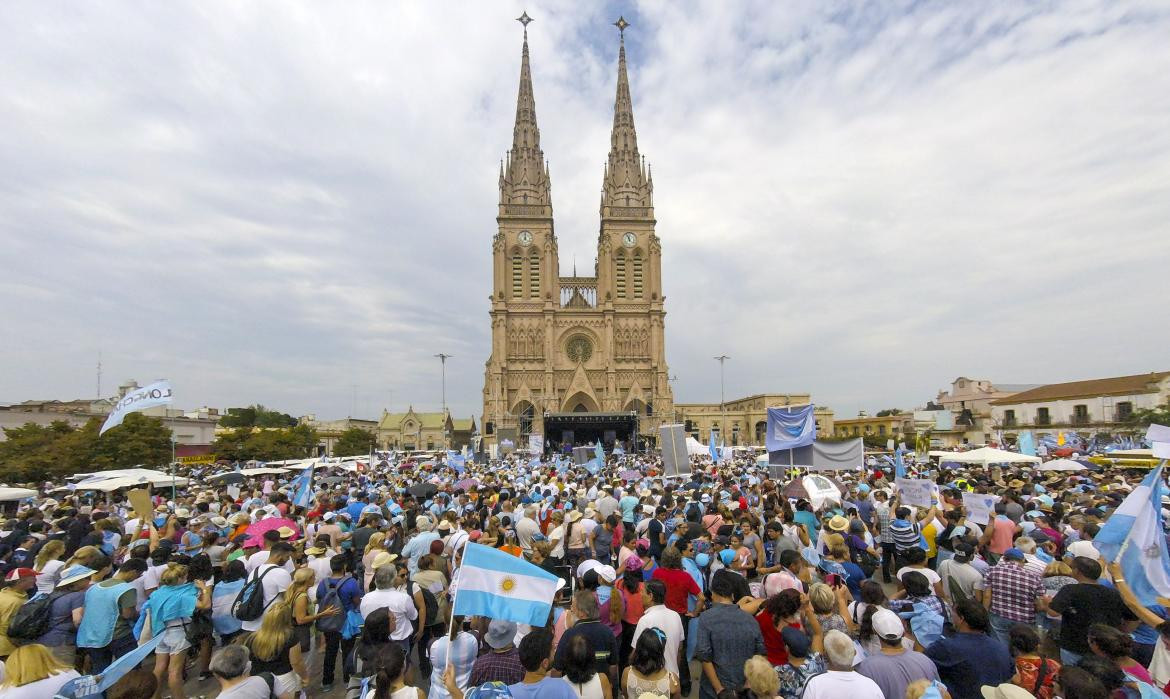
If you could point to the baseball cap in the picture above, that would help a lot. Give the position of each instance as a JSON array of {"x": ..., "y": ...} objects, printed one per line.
[
  {"x": 1083, "y": 548},
  {"x": 18, "y": 573},
  {"x": 1014, "y": 554},
  {"x": 964, "y": 551},
  {"x": 887, "y": 624},
  {"x": 797, "y": 641}
]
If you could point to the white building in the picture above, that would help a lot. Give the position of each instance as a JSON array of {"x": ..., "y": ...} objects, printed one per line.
[{"x": 1096, "y": 405}]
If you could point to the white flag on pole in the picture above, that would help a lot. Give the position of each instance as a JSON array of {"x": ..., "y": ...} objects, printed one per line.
[{"x": 152, "y": 396}]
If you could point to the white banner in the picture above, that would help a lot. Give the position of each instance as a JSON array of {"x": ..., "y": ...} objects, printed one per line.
[
  {"x": 916, "y": 492},
  {"x": 979, "y": 507},
  {"x": 536, "y": 444},
  {"x": 152, "y": 396}
]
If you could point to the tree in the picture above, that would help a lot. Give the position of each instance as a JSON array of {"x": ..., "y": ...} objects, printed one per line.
[
  {"x": 354, "y": 442},
  {"x": 1143, "y": 417},
  {"x": 274, "y": 444},
  {"x": 888, "y": 412},
  {"x": 35, "y": 452},
  {"x": 256, "y": 416}
]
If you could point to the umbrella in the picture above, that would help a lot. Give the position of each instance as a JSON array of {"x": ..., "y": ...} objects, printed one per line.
[
  {"x": 330, "y": 480},
  {"x": 466, "y": 484},
  {"x": 630, "y": 475},
  {"x": 815, "y": 488},
  {"x": 423, "y": 490},
  {"x": 229, "y": 477},
  {"x": 1062, "y": 465},
  {"x": 256, "y": 530}
]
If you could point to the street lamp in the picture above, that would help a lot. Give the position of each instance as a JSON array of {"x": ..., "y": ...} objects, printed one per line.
[
  {"x": 722, "y": 405},
  {"x": 443, "y": 359}
]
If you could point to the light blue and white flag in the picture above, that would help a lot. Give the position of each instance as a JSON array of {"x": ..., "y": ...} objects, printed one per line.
[
  {"x": 152, "y": 396},
  {"x": 562, "y": 464},
  {"x": 456, "y": 461},
  {"x": 899, "y": 463},
  {"x": 714, "y": 453},
  {"x": 618, "y": 450},
  {"x": 1133, "y": 534},
  {"x": 302, "y": 488},
  {"x": 498, "y": 585},
  {"x": 789, "y": 428},
  {"x": 1027, "y": 445},
  {"x": 95, "y": 685},
  {"x": 534, "y": 462}
]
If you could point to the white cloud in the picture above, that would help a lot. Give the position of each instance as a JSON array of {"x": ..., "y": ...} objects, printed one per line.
[{"x": 271, "y": 202}]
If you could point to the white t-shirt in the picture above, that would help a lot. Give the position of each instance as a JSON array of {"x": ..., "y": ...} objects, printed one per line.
[
  {"x": 251, "y": 688},
  {"x": 41, "y": 688},
  {"x": 834, "y": 685},
  {"x": 259, "y": 558},
  {"x": 669, "y": 621},
  {"x": 48, "y": 578},
  {"x": 274, "y": 584},
  {"x": 398, "y": 603},
  {"x": 558, "y": 535},
  {"x": 150, "y": 579}
]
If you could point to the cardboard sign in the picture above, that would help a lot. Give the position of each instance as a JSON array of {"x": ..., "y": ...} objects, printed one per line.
[
  {"x": 980, "y": 507},
  {"x": 140, "y": 501},
  {"x": 916, "y": 492}
]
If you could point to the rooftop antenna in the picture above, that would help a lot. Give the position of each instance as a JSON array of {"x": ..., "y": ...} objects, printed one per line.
[{"x": 99, "y": 375}]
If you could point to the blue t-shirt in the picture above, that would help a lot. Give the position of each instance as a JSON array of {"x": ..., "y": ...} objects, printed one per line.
[
  {"x": 628, "y": 504},
  {"x": 548, "y": 688},
  {"x": 347, "y": 592},
  {"x": 355, "y": 510},
  {"x": 968, "y": 661},
  {"x": 809, "y": 520}
]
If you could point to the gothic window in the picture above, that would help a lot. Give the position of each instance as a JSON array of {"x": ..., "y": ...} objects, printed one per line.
[
  {"x": 619, "y": 279},
  {"x": 533, "y": 275},
  {"x": 517, "y": 277},
  {"x": 638, "y": 275}
]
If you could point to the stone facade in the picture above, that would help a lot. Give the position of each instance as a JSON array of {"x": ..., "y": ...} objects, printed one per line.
[
  {"x": 577, "y": 343},
  {"x": 414, "y": 431}
]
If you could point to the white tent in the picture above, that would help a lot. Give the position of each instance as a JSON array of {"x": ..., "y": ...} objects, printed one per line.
[
  {"x": 135, "y": 476},
  {"x": 1062, "y": 465},
  {"x": 8, "y": 494},
  {"x": 985, "y": 456},
  {"x": 253, "y": 472},
  {"x": 696, "y": 449},
  {"x": 109, "y": 485}
]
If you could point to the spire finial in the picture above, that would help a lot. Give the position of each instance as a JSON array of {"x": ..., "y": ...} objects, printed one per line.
[
  {"x": 621, "y": 24},
  {"x": 524, "y": 19}
]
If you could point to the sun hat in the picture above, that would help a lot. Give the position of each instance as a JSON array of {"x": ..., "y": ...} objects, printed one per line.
[
  {"x": 314, "y": 551},
  {"x": 73, "y": 574},
  {"x": 219, "y": 521},
  {"x": 838, "y": 523},
  {"x": 1007, "y": 690},
  {"x": 329, "y": 516},
  {"x": 887, "y": 624},
  {"x": 384, "y": 558},
  {"x": 286, "y": 533},
  {"x": 607, "y": 573},
  {"x": 573, "y": 516},
  {"x": 500, "y": 633}
]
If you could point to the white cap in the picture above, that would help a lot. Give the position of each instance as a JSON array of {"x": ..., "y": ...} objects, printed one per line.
[
  {"x": 1083, "y": 548},
  {"x": 887, "y": 624}
]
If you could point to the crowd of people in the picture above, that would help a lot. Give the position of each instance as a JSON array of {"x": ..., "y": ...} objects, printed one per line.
[{"x": 726, "y": 582}]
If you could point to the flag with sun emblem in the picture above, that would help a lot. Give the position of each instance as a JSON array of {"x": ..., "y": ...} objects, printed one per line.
[{"x": 498, "y": 585}]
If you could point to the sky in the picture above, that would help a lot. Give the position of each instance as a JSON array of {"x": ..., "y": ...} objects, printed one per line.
[{"x": 293, "y": 203}]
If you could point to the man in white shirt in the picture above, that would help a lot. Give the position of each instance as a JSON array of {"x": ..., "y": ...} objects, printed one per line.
[
  {"x": 607, "y": 504},
  {"x": 273, "y": 578},
  {"x": 397, "y": 602},
  {"x": 658, "y": 615},
  {"x": 271, "y": 538},
  {"x": 526, "y": 528},
  {"x": 840, "y": 680}
]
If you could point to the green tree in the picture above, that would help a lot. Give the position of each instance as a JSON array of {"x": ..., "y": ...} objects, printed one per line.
[
  {"x": 276, "y": 444},
  {"x": 888, "y": 412},
  {"x": 35, "y": 452},
  {"x": 353, "y": 442},
  {"x": 256, "y": 416},
  {"x": 1143, "y": 417}
]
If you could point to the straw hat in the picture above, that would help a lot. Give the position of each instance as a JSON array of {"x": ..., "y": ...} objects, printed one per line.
[
  {"x": 573, "y": 516},
  {"x": 383, "y": 558}
]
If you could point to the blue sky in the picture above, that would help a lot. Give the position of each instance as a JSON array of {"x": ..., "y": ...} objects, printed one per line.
[{"x": 270, "y": 202}]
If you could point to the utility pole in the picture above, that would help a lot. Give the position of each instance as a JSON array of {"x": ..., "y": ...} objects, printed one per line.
[
  {"x": 443, "y": 360},
  {"x": 99, "y": 376},
  {"x": 722, "y": 405},
  {"x": 352, "y": 399}
]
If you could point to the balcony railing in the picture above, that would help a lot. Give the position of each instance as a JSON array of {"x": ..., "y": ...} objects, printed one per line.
[
  {"x": 578, "y": 292},
  {"x": 1084, "y": 419}
]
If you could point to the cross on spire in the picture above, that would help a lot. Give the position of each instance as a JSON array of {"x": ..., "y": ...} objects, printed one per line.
[{"x": 524, "y": 19}]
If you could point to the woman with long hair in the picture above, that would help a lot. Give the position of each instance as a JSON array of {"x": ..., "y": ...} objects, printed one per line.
[
  {"x": 647, "y": 669},
  {"x": 1117, "y": 646},
  {"x": 48, "y": 564},
  {"x": 581, "y": 670},
  {"x": 275, "y": 649},
  {"x": 1034, "y": 672},
  {"x": 169, "y": 610},
  {"x": 873, "y": 598},
  {"x": 390, "y": 678},
  {"x": 630, "y": 589},
  {"x": 373, "y": 548},
  {"x": 200, "y": 631},
  {"x": 556, "y": 538},
  {"x": 298, "y": 598},
  {"x": 32, "y": 671}
]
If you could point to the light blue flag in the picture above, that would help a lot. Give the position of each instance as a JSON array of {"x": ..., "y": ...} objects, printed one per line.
[
  {"x": 711, "y": 447},
  {"x": 303, "y": 488},
  {"x": 562, "y": 465},
  {"x": 534, "y": 462},
  {"x": 498, "y": 585},
  {"x": 789, "y": 428},
  {"x": 618, "y": 451},
  {"x": 94, "y": 685},
  {"x": 1133, "y": 534},
  {"x": 456, "y": 461},
  {"x": 598, "y": 461},
  {"x": 899, "y": 463},
  {"x": 1027, "y": 445}
]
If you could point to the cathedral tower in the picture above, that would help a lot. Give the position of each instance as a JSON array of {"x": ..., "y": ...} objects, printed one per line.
[{"x": 589, "y": 346}]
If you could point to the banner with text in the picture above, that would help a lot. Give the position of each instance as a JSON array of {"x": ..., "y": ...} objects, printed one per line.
[
  {"x": 916, "y": 492},
  {"x": 980, "y": 507},
  {"x": 152, "y": 396}
]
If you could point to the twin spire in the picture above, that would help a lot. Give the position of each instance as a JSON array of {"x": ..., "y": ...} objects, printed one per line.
[{"x": 627, "y": 188}]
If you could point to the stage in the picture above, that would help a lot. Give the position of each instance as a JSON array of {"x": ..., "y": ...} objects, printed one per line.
[{"x": 562, "y": 431}]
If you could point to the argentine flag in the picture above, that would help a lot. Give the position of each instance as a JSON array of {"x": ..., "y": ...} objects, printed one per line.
[
  {"x": 711, "y": 447},
  {"x": 598, "y": 461},
  {"x": 498, "y": 585},
  {"x": 1133, "y": 534},
  {"x": 899, "y": 463},
  {"x": 303, "y": 488}
]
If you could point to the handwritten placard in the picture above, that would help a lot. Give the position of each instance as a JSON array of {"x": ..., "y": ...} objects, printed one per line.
[
  {"x": 979, "y": 507},
  {"x": 916, "y": 492}
]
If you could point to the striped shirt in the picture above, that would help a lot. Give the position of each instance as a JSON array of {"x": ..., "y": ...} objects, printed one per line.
[{"x": 904, "y": 535}]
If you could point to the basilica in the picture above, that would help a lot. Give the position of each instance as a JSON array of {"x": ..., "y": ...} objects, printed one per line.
[{"x": 575, "y": 359}]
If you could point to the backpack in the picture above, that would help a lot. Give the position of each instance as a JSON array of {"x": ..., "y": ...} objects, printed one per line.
[
  {"x": 431, "y": 604},
  {"x": 332, "y": 598},
  {"x": 31, "y": 620},
  {"x": 249, "y": 606},
  {"x": 863, "y": 558}
]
